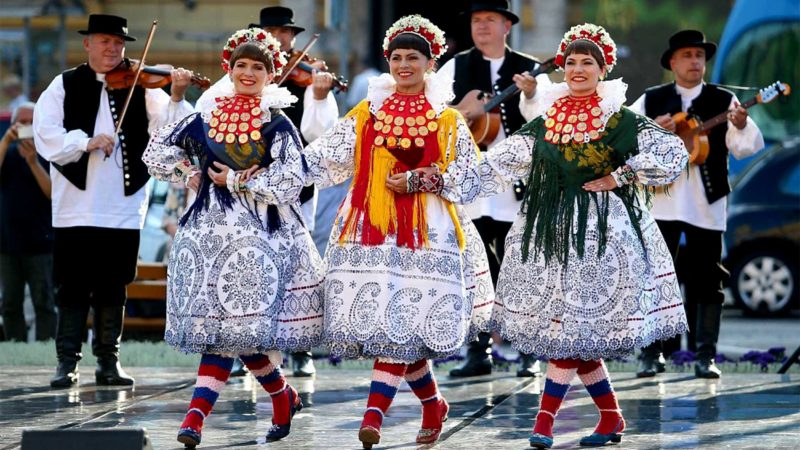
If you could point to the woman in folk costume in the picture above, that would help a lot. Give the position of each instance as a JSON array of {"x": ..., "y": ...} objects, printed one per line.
[
  {"x": 244, "y": 277},
  {"x": 586, "y": 275},
  {"x": 407, "y": 275}
]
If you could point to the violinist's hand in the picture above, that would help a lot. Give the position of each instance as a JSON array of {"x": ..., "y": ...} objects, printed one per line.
[
  {"x": 319, "y": 65},
  {"x": 181, "y": 78},
  {"x": 102, "y": 142},
  {"x": 323, "y": 83},
  {"x": 219, "y": 176},
  {"x": 526, "y": 83}
]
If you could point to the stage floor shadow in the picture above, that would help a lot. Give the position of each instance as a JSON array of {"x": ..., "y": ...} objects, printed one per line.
[{"x": 674, "y": 410}]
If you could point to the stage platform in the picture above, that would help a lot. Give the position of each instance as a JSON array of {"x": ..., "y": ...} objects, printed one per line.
[{"x": 673, "y": 410}]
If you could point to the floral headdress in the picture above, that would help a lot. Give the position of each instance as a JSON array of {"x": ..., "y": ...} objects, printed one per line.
[
  {"x": 420, "y": 26},
  {"x": 262, "y": 39},
  {"x": 594, "y": 34}
]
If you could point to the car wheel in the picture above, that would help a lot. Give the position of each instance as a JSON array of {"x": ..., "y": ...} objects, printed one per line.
[{"x": 764, "y": 282}]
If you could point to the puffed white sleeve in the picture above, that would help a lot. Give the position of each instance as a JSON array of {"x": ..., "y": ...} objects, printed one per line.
[
  {"x": 505, "y": 163},
  {"x": 330, "y": 159},
  {"x": 745, "y": 142},
  {"x": 318, "y": 115},
  {"x": 461, "y": 182},
  {"x": 162, "y": 111},
  {"x": 662, "y": 155},
  {"x": 52, "y": 140},
  {"x": 165, "y": 160},
  {"x": 282, "y": 181}
]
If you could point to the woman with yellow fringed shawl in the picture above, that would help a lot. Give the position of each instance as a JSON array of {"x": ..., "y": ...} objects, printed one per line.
[{"x": 407, "y": 277}]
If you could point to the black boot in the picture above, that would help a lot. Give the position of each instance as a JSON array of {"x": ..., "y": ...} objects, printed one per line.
[
  {"x": 238, "y": 369},
  {"x": 708, "y": 322},
  {"x": 70, "y": 326},
  {"x": 105, "y": 346},
  {"x": 529, "y": 366},
  {"x": 302, "y": 364},
  {"x": 651, "y": 361},
  {"x": 479, "y": 358}
]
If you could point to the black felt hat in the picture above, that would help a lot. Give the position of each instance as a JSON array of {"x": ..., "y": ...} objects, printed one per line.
[
  {"x": 107, "y": 24},
  {"x": 498, "y": 6},
  {"x": 684, "y": 39},
  {"x": 277, "y": 16}
]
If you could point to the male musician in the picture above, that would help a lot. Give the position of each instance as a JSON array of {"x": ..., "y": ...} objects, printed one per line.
[
  {"x": 98, "y": 192},
  {"x": 695, "y": 205},
  {"x": 313, "y": 115},
  {"x": 491, "y": 66}
]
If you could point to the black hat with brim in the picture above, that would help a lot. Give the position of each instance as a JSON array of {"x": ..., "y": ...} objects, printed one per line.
[
  {"x": 498, "y": 6},
  {"x": 686, "y": 39},
  {"x": 277, "y": 16},
  {"x": 108, "y": 24}
]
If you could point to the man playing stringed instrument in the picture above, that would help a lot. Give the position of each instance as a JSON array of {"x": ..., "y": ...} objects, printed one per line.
[
  {"x": 696, "y": 203},
  {"x": 98, "y": 192},
  {"x": 491, "y": 66}
]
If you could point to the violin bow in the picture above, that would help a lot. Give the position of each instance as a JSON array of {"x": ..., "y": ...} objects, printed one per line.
[
  {"x": 303, "y": 53},
  {"x": 135, "y": 78}
]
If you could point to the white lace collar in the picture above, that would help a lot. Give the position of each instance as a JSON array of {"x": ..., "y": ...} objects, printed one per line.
[
  {"x": 438, "y": 91},
  {"x": 612, "y": 94},
  {"x": 272, "y": 96}
]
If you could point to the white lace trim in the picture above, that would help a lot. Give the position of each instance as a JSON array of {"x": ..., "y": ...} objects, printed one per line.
[
  {"x": 272, "y": 96},
  {"x": 438, "y": 91},
  {"x": 612, "y": 94}
]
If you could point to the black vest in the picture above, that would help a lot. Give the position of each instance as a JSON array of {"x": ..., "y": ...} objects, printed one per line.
[
  {"x": 712, "y": 101},
  {"x": 473, "y": 72},
  {"x": 295, "y": 114},
  {"x": 81, "y": 103}
]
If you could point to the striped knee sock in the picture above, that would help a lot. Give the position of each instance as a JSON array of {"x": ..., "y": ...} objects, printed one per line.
[
  {"x": 386, "y": 378},
  {"x": 594, "y": 376},
  {"x": 267, "y": 370},
  {"x": 422, "y": 382},
  {"x": 560, "y": 373},
  {"x": 212, "y": 374}
]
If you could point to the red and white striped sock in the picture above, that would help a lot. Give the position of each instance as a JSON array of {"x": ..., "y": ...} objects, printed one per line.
[
  {"x": 386, "y": 378},
  {"x": 594, "y": 375},
  {"x": 212, "y": 374},
  {"x": 560, "y": 373},
  {"x": 422, "y": 382},
  {"x": 267, "y": 370}
]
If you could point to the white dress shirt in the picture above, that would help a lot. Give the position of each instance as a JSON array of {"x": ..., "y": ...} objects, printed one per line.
[
  {"x": 103, "y": 203},
  {"x": 686, "y": 201}
]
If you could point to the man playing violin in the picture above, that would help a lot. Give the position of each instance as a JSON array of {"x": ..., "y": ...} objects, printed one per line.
[
  {"x": 695, "y": 205},
  {"x": 98, "y": 192},
  {"x": 492, "y": 66},
  {"x": 313, "y": 115}
]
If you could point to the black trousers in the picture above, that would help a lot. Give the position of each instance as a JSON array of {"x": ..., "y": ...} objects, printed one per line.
[
  {"x": 493, "y": 234},
  {"x": 700, "y": 270},
  {"x": 92, "y": 265}
]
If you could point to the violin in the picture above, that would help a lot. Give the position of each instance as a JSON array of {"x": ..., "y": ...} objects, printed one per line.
[
  {"x": 302, "y": 72},
  {"x": 152, "y": 77}
]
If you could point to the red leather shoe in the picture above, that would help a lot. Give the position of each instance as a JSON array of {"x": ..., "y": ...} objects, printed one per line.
[{"x": 431, "y": 435}]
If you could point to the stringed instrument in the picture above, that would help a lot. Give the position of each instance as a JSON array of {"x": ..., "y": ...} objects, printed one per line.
[
  {"x": 151, "y": 77},
  {"x": 694, "y": 132},
  {"x": 484, "y": 120}
]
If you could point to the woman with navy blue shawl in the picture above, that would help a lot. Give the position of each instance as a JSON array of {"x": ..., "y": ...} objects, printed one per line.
[{"x": 244, "y": 277}]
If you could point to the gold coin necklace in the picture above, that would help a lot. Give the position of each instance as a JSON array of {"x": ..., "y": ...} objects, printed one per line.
[
  {"x": 236, "y": 119},
  {"x": 403, "y": 121},
  {"x": 574, "y": 119}
]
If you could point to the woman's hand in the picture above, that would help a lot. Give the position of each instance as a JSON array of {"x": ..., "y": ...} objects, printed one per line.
[
  {"x": 194, "y": 182},
  {"x": 607, "y": 183},
  {"x": 219, "y": 177},
  {"x": 399, "y": 182},
  {"x": 252, "y": 172}
]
